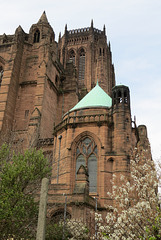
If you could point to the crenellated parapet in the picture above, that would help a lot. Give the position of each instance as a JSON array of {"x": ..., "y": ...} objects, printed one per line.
[
  {"x": 79, "y": 30},
  {"x": 81, "y": 35},
  {"x": 88, "y": 50},
  {"x": 85, "y": 30}
]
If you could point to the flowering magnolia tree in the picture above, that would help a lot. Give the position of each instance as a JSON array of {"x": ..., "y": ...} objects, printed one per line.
[
  {"x": 73, "y": 229},
  {"x": 135, "y": 214}
]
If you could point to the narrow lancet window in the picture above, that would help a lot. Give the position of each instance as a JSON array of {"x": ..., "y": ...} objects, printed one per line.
[
  {"x": 37, "y": 36},
  {"x": 1, "y": 74},
  {"x": 72, "y": 57},
  {"x": 81, "y": 65}
]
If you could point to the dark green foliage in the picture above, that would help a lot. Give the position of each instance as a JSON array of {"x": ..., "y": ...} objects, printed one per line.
[
  {"x": 55, "y": 232},
  {"x": 19, "y": 175},
  {"x": 154, "y": 228}
]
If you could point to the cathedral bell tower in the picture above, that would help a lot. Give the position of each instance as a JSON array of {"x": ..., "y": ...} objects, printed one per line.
[{"x": 88, "y": 50}]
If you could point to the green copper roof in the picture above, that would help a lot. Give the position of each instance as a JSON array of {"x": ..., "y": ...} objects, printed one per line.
[{"x": 97, "y": 97}]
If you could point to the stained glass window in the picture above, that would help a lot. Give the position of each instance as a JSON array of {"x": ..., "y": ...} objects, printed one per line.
[
  {"x": 86, "y": 155},
  {"x": 80, "y": 161},
  {"x": 92, "y": 171},
  {"x": 78, "y": 151},
  {"x": 95, "y": 149}
]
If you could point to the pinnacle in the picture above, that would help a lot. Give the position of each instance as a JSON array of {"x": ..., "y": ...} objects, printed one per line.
[
  {"x": 92, "y": 23},
  {"x": 43, "y": 18},
  {"x": 19, "y": 28}
]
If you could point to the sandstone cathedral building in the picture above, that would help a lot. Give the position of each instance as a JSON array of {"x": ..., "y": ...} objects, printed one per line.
[{"x": 62, "y": 97}]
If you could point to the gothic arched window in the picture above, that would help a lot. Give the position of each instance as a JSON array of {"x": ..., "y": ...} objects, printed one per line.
[
  {"x": 81, "y": 64},
  {"x": 72, "y": 56},
  {"x": 86, "y": 155},
  {"x": 37, "y": 36}
]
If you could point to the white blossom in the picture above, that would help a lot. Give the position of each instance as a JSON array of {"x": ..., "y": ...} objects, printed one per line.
[{"x": 136, "y": 201}]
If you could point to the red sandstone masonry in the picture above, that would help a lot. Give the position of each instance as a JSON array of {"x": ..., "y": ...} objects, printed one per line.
[{"x": 40, "y": 85}]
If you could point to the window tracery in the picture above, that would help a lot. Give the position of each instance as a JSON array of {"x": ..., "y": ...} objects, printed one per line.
[{"x": 86, "y": 155}]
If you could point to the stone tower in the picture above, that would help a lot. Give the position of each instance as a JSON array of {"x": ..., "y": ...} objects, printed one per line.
[{"x": 87, "y": 48}]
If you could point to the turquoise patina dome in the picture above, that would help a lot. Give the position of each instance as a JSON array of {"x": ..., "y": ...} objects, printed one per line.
[{"x": 97, "y": 97}]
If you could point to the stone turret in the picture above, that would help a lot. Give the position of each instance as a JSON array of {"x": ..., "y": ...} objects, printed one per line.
[
  {"x": 41, "y": 31},
  {"x": 122, "y": 118}
]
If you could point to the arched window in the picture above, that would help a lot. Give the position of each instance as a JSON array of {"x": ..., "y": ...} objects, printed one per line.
[
  {"x": 1, "y": 74},
  {"x": 81, "y": 64},
  {"x": 86, "y": 155},
  {"x": 72, "y": 56},
  {"x": 37, "y": 36}
]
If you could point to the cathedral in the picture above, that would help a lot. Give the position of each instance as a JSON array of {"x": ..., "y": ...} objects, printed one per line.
[{"x": 62, "y": 97}]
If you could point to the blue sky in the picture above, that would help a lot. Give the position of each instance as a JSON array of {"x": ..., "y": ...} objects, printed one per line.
[{"x": 132, "y": 27}]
